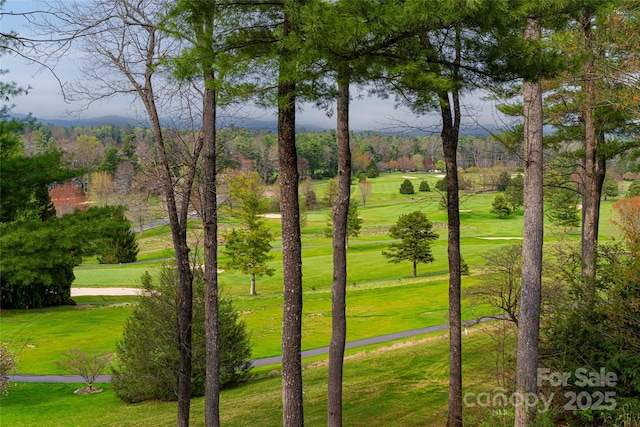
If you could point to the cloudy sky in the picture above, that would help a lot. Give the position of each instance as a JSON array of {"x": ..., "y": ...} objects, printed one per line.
[{"x": 45, "y": 100}]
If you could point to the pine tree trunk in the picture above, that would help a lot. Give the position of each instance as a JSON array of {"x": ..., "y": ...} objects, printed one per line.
[
  {"x": 292, "y": 402},
  {"x": 340, "y": 245},
  {"x": 594, "y": 170},
  {"x": 450, "y": 133},
  {"x": 531, "y": 289},
  {"x": 210, "y": 221}
]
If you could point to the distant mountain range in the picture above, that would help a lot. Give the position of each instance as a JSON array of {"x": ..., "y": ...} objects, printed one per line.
[{"x": 259, "y": 125}]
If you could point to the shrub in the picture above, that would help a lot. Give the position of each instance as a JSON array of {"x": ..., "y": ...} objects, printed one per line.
[
  {"x": 372, "y": 169},
  {"x": 500, "y": 206},
  {"x": 148, "y": 354},
  {"x": 406, "y": 187},
  {"x": 77, "y": 362},
  {"x": 424, "y": 186},
  {"x": 7, "y": 366},
  {"x": 633, "y": 190}
]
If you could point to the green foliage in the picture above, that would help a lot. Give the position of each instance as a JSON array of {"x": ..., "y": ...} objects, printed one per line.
[
  {"x": 503, "y": 180},
  {"x": 330, "y": 192},
  {"x": 561, "y": 198},
  {"x": 120, "y": 245},
  {"x": 500, "y": 206},
  {"x": 610, "y": 187},
  {"x": 424, "y": 186},
  {"x": 248, "y": 250},
  {"x": 514, "y": 193},
  {"x": 19, "y": 189},
  {"x": 598, "y": 330},
  {"x": 441, "y": 185},
  {"x": 147, "y": 365},
  {"x": 464, "y": 267},
  {"x": 406, "y": 187},
  {"x": 372, "y": 169},
  {"x": 45, "y": 206},
  {"x": 415, "y": 235},
  {"x": 354, "y": 221},
  {"x": 36, "y": 268},
  {"x": 110, "y": 160},
  {"x": 633, "y": 190}
]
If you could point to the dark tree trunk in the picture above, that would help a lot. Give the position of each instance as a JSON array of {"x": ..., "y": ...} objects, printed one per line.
[
  {"x": 292, "y": 403},
  {"x": 340, "y": 244},
  {"x": 594, "y": 170},
  {"x": 178, "y": 225},
  {"x": 450, "y": 111},
  {"x": 210, "y": 221},
  {"x": 531, "y": 289}
]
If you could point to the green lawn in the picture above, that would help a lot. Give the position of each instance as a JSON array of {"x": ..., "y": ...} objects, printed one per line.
[{"x": 405, "y": 385}]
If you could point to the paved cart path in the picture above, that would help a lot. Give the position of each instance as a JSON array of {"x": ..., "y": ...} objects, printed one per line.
[{"x": 267, "y": 360}]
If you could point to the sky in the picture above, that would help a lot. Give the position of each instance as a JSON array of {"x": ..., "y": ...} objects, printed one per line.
[{"x": 45, "y": 101}]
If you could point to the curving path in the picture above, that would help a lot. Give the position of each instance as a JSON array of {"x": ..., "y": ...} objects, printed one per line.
[{"x": 267, "y": 360}]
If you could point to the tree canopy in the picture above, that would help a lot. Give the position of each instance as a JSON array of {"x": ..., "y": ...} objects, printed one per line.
[{"x": 415, "y": 233}]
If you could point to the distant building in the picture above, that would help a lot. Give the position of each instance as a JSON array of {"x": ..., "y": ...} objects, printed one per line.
[{"x": 68, "y": 196}]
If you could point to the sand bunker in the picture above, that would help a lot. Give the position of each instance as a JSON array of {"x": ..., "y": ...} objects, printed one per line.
[{"x": 78, "y": 292}]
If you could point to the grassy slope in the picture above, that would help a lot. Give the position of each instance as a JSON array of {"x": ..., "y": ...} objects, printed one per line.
[{"x": 402, "y": 386}]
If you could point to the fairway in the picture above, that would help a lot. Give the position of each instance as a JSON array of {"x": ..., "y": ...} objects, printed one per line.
[{"x": 406, "y": 384}]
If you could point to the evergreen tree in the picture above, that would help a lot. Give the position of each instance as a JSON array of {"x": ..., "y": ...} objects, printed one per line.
[
  {"x": 610, "y": 187},
  {"x": 45, "y": 206},
  {"x": 148, "y": 354},
  {"x": 38, "y": 257},
  {"x": 415, "y": 233},
  {"x": 120, "y": 245},
  {"x": 406, "y": 187},
  {"x": 424, "y": 186},
  {"x": 354, "y": 222},
  {"x": 372, "y": 169},
  {"x": 500, "y": 206},
  {"x": 514, "y": 193}
]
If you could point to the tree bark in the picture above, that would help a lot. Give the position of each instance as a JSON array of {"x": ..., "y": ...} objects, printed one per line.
[
  {"x": 292, "y": 401},
  {"x": 531, "y": 289},
  {"x": 340, "y": 245},
  {"x": 450, "y": 134},
  {"x": 210, "y": 223},
  {"x": 594, "y": 169},
  {"x": 178, "y": 225},
  {"x": 252, "y": 287}
]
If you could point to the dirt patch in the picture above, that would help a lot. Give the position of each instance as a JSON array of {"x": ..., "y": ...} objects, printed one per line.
[
  {"x": 271, "y": 215},
  {"x": 410, "y": 177}
]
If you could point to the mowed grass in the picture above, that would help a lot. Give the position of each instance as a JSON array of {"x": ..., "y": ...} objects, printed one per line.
[
  {"x": 401, "y": 385},
  {"x": 96, "y": 323}
]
